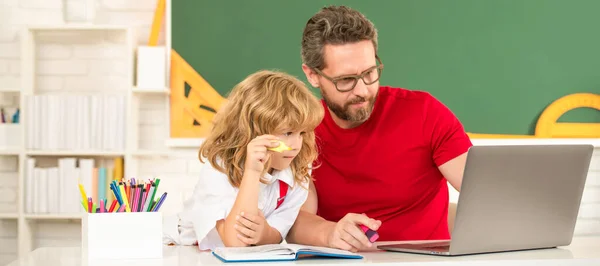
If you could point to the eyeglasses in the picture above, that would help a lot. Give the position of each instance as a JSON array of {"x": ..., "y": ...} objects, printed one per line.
[{"x": 347, "y": 83}]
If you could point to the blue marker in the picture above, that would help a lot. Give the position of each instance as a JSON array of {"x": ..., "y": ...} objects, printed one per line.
[
  {"x": 160, "y": 201},
  {"x": 15, "y": 117}
]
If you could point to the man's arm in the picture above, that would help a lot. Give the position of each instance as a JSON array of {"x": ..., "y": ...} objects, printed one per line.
[
  {"x": 453, "y": 170},
  {"x": 448, "y": 140},
  {"x": 309, "y": 228}
]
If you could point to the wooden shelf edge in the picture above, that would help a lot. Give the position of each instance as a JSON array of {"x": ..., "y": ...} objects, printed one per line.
[
  {"x": 76, "y": 26},
  {"x": 9, "y": 215},
  {"x": 74, "y": 153},
  {"x": 166, "y": 91},
  {"x": 57, "y": 216}
]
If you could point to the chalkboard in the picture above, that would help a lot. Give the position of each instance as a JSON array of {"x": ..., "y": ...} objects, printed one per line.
[{"x": 496, "y": 64}]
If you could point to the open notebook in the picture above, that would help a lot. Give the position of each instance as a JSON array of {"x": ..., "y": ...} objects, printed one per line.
[{"x": 278, "y": 252}]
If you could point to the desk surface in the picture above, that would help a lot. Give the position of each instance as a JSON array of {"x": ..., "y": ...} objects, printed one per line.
[{"x": 583, "y": 251}]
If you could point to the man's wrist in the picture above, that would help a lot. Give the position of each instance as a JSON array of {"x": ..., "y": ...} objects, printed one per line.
[{"x": 325, "y": 230}]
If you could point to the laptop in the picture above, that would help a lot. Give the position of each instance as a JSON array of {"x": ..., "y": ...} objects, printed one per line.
[{"x": 518, "y": 197}]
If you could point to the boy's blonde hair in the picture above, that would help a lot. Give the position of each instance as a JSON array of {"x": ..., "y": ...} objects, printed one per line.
[{"x": 266, "y": 102}]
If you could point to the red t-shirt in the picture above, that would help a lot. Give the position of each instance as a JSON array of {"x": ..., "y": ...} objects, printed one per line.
[{"x": 387, "y": 167}]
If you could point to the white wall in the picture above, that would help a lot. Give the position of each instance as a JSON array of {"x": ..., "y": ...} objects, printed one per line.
[{"x": 8, "y": 198}]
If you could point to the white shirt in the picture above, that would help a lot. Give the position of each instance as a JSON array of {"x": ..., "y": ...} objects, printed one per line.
[{"x": 213, "y": 199}]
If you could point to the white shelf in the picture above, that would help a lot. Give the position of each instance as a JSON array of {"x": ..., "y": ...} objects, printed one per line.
[
  {"x": 9, "y": 215},
  {"x": 151, "y": 90},
  {"x": 59, "y": 216},
  {"x": 130, "y": 153},
  {"x": 164, "y": 153},
  {"x": 150, "y": 153},
  {"x": 74, "y": 153},
  {"x": 125, "y": 36},
  {"x": 73, "y": 27},
  {"x": 9, "y": 152}
]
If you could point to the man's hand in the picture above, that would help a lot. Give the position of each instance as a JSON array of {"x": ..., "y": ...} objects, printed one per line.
[
  {"x": 346, "y": 233},
  {"x": 254, "y": 230}
]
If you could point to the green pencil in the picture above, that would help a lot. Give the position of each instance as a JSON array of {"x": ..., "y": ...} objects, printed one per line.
[{"x": 153, "y": 193}]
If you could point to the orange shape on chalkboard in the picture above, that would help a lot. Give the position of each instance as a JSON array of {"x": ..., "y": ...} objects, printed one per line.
[
  {"x": 191, "y": 115},
  {"x": 548, "y": 127}
]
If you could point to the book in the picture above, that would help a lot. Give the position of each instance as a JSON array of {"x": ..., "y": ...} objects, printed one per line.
[{"x": 279, "y": 252}]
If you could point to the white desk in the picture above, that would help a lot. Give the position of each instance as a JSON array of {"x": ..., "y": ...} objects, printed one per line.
[{"x": 583, "y": 251}]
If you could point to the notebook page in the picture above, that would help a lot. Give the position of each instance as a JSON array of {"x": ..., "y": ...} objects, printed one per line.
[{"x": 320, "y": 249}]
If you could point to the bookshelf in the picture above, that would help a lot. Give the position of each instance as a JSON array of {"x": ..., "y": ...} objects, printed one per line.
[{"x": 26, "y": 141}]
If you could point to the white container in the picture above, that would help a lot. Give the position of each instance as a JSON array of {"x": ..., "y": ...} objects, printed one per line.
[
  {"x": 123, "y": 235},
  {"x": 10, "y": 136},
  {"x": 151, "y": 68}
]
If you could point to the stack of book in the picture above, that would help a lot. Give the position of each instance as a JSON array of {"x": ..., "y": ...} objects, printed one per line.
[
  {"x": 75, "y": 122},
  {"x": 53, "y": 190}
]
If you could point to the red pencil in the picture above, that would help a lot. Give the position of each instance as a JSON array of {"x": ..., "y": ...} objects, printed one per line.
[
  {"x": 112, "y": 206},
  {"x": 147, "y": 191}
]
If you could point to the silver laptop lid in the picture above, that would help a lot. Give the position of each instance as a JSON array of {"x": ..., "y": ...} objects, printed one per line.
[{"x": 519, "y": 197}]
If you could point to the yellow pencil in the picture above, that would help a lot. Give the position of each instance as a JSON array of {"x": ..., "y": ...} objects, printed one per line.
[
  {"x": 83, "y": 196},
  {"x": 127, "y": 209}
]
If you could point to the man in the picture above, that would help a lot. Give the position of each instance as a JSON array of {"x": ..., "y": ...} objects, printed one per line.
[{"x": 386, "y": 154}]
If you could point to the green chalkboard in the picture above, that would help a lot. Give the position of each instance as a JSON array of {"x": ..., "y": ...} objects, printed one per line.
[{"x": 496, "y": 64}]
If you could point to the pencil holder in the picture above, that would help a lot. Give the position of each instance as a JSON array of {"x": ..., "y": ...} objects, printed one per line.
[{"x": 123, "y": 235}]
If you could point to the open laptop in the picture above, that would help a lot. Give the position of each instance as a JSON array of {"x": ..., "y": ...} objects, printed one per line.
[{"x": 514, "y": 198}]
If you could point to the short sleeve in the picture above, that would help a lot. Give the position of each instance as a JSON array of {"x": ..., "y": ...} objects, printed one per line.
[
  {"x": 445, "y": 133},
  {"x": 211, "y": 201},
  {"x": 284, "y": 217}
]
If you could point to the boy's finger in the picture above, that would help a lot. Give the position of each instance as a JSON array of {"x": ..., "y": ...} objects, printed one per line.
[
  {"x": 246, "y": 240},
  {"x": 269, "y": 137},
  {"x": 248, "y": 224},
  {"x": 244, "y": 231},
  {"x": 249, "y": 216}
]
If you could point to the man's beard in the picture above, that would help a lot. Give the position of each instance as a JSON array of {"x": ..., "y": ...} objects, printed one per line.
[{"x": 344, "y": 113}]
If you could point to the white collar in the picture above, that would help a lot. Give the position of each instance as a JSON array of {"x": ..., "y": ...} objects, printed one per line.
[{"x": 284, "y": 175}]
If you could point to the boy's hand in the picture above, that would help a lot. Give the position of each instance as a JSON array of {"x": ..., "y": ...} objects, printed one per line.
[
  {"x": 252, "y": 229},
  {"x": 257, "y": 152}
]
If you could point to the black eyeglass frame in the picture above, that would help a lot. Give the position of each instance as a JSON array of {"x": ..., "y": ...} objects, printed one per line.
[{"x": 379, "y": 68}]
